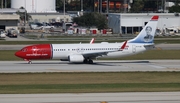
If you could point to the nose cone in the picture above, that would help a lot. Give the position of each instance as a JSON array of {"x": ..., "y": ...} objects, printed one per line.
[{"x": 18, "y": 54}]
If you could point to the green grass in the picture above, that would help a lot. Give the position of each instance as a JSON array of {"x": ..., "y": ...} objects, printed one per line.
[
  {"x": 89, "y": 88},
  {"x": 152, "y": 54},
  {"x": 89, "y": 82},
  {"x": 7, "y": 55}
]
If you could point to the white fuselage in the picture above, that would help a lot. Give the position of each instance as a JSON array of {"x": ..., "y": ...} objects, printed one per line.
[{"x": 62, "y": 51}]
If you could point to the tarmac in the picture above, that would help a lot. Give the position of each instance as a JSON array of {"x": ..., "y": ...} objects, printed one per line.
[
  {"x": 131, "y": 97},
  {"x": 98, "y": 66}
]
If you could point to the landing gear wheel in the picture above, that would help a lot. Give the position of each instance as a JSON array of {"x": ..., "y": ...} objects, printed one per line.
[
  {"x": 29, "y": 62},
  {"x": 90, "y": 61},
  {"x": 85, "y": 61}
]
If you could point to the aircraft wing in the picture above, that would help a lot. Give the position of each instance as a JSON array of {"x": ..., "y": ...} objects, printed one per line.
[
  {"x": 94, "y": 55},
  {"x": 97, "y": 54}
]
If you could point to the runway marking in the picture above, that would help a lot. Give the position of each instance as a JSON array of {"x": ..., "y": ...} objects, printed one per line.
[
  {"x": 155, "y": 66},
  {"x": 57, "y": 70},
  {"x": 174, "y": 69}
]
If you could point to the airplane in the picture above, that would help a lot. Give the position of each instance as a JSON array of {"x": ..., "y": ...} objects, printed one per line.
[{"x": 85, "y": 53}]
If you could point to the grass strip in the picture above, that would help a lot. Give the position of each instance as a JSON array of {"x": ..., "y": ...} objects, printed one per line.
[
  {"x": 90, "y": 88},
  {"x": 8, "y": 55},
  {"x": 91, "y": 82}
]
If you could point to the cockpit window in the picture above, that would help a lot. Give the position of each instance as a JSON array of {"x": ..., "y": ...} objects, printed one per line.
[{"x": 24, "y": 50}]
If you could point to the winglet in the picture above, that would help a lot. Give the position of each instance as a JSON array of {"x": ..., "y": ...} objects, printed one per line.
[
  {"x": 92, "y": 40},
  {"x": 124, "y": 45}
]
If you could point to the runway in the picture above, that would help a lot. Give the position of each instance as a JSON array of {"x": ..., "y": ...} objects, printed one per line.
[
  {"x": 135, "y": 97},
  {"x": 98, "y": 66}
]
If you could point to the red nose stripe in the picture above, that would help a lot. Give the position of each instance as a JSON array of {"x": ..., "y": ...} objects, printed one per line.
[
  {"x": 46, "y": 51},
  {"x": 41, "y": 51}
]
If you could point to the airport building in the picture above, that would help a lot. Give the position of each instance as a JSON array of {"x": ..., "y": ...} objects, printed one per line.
[
  {"x": 50, "y": 17},
  {"x": 41, "y": 10},
  {"x": 38, "y": 12},
  {"x": 132, "y": 23},
  {"x": 35, "y": 6},
  {"x": 8, "y": 21}
]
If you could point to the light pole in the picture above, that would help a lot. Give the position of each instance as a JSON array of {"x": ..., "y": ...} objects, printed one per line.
[
  {"x": 64, "y": 11},
  {"x": 162, "y": 7},
  {"x": 25, "y": 13},
  {"x": 125, "y": 2},
  {"x": 81, "y": 13},
  {"x": 100, "y": 6},
  {"x": 107, "y": 6},
  {"x": 82, "y": 5},
  {"x": 165, "y": 6},
  {"x": 2, "y": 4},
  {"x": 5, "y": 4}
]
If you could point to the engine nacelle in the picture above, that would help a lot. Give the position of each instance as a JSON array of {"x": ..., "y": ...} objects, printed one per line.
[{"x": 76, "y": 58}]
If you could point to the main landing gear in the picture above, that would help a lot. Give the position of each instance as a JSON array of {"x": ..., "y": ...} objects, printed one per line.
[{"x": 88, "y": 61}]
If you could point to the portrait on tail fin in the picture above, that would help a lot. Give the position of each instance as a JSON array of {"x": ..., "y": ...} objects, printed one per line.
[{"x": 148, "y": 36}]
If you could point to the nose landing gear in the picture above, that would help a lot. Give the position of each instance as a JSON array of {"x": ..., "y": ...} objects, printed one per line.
[{"x": 29, "y": 61}]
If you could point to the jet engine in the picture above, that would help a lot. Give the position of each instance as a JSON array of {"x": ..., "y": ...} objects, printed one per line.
[{"x": 76, "y": 58}]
